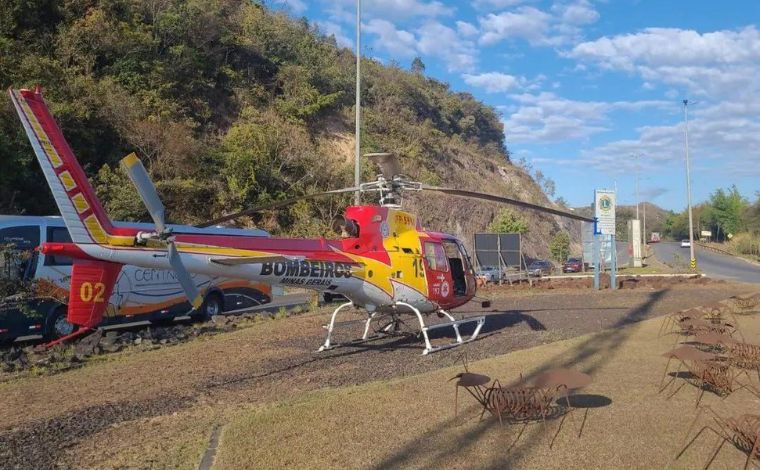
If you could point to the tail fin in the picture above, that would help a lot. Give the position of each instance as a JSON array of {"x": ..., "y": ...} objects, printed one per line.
[
  {"x": 91, "y": 285},
  {"x": 84, "y": 216}
]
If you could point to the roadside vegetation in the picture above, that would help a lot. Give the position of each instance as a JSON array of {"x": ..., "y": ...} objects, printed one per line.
[
  {"x": 733, "y": 221},
  {"x": 229, "y": 105}
]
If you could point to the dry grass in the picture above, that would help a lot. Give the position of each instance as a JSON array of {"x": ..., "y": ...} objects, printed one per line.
[
  {"x": 274, "y": 414},
  {"x": 409, "y": 422}
]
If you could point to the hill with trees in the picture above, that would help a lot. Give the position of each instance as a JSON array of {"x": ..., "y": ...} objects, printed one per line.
[{"x": 230, "y": 105}]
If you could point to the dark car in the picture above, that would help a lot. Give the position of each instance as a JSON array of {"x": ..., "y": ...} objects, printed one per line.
[
  {"x": 572, "y": 265},
  {"x": 540, "y": 267}
]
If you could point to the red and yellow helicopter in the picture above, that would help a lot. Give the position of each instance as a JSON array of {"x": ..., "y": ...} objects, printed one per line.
[{"x": 383, "y": 261}]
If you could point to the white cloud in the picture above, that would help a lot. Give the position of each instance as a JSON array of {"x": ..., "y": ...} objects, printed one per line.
[
  {"x": 719, "y": 68},
  {"x": 389, "y": 10},
  {"x": 296, "y": 6},
  {"x": 526, "y": 23},
  {"x": 330, "y": 28},
  {"x": 438, "y": 40},
  {"x": 432, "y": 39},
  {"x": 494, "y": 82},
  {"x": 576, "y": 14},
  {"x": 397, "y": 42},
  {"x": 496, "y": 4},
  {"x": 720, "y": 63},
  {"x": 547, "y": 117},
  {"x": 561, "y": 26},
  {"x": 466, "y": 29}
]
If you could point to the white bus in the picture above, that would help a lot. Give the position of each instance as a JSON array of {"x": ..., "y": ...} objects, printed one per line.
[{"x": 140, "y": 294}]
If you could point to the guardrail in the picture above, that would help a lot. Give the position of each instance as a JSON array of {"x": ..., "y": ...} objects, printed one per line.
[
  {"x": 727, "y": 253},
  {"x": 712, "y": 248}
]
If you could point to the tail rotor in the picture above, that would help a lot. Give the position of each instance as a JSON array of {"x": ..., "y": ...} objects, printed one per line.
[{"x": 163, "y": 235}]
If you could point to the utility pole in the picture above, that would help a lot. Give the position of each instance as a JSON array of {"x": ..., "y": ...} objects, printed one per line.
[
  {"x": 637, "y": 185},
  {"x": 644, "y": 230},
  {"x": 357, "y": 132},
  {"x": 693, "y": 260}
]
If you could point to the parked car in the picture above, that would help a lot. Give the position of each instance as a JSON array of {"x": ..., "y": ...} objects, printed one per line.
[
  {"x": 540, "y": 267},
  {"x": 489, "y": 273},
  {"x": 572, "y": 265},
  {"x": 685, "y": 244}
]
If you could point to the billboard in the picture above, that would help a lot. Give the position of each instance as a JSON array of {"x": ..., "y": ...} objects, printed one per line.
[
  {"x": 498, "y": 249},
  {"x": 604, "y": 210}
]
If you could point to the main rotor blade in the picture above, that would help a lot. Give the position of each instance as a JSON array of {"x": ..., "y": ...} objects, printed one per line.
[
  {"x": 273, "y": 205},
  {"x": 183, "y": 276},
  {"x": 145, "y": 188},
  {"x": 387, "y": 162},
  {"x": 505, "y": 200}
]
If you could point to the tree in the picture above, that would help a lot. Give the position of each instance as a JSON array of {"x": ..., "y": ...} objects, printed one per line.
[
  {"x": 506, "y": 221},
  {"x": 726, "y": 210},
  {"x": 418, "y": 66},
  {"x": 560, "y": 246}
]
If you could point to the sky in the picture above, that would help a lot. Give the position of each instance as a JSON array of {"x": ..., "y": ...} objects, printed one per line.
[{"x": 590, "y": 92}]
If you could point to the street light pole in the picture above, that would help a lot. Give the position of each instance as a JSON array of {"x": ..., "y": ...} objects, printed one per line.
[
  {"x": 637, "y": 185},
  {"x": 693, "y": 259},
  {"x": 357, "y": 132},
  {"x": 644, "y": 230}
]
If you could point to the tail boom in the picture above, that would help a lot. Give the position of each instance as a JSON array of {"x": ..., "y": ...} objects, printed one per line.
[{"x": 84, "y": 215}]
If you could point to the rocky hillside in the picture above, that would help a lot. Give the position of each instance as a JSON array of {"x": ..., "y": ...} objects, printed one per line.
[{"x": 232, "y": 105}]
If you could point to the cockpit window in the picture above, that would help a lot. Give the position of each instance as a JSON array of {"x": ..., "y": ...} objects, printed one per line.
[{"x": 436, "y": 257}]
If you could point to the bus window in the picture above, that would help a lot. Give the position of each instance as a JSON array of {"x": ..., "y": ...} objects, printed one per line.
[
  {"x": 17, "y": 255},
  {"x": 436, "y": 257},
  {"x": 58, "y": 235}
]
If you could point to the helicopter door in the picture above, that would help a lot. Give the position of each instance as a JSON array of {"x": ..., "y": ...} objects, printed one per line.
[
  {"x": 438, "y": 273},
  {"x": 462, "y": 276}
]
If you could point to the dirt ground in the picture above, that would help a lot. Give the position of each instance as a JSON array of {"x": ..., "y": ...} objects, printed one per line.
[{"x": 143, "y": 409}]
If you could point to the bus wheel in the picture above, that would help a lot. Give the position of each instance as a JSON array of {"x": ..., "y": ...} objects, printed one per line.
[
  {"x": 211, "y": 306},
  {"x": 57, "y": 326}
]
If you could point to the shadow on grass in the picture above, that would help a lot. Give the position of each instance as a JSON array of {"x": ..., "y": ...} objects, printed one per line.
[{"x": 588, "y": 357}]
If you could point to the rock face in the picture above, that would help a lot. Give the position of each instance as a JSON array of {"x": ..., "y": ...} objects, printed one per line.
[{"x": 488, "y": 173}]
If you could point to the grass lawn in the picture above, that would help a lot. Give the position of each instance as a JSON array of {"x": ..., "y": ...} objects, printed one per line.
[{"x": 410, "y": 423}]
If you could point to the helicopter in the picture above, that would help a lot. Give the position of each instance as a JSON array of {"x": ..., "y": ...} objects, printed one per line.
[{"x": 382, "y": 259}]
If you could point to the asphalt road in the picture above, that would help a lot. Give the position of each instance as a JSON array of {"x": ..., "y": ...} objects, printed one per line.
[{"x": 713, "y": 264}]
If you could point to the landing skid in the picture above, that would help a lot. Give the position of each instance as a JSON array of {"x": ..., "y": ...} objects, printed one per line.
[{"x": 392, "y": 326}]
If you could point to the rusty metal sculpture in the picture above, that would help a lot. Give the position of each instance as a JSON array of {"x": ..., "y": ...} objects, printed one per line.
[
  {"x": 710, "y": 371},
  {"x": 747, "y": 304},
  {"x": 738, "y": 354},
  {"x": 541, "y": 400},
  {"x": 743, "y": 432},
  {"x": 744, "y": 356},
  {"x": 673, "y": 319},
  {"x": 474, "y": 384},
  {"x": 694, "y": 326}
]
